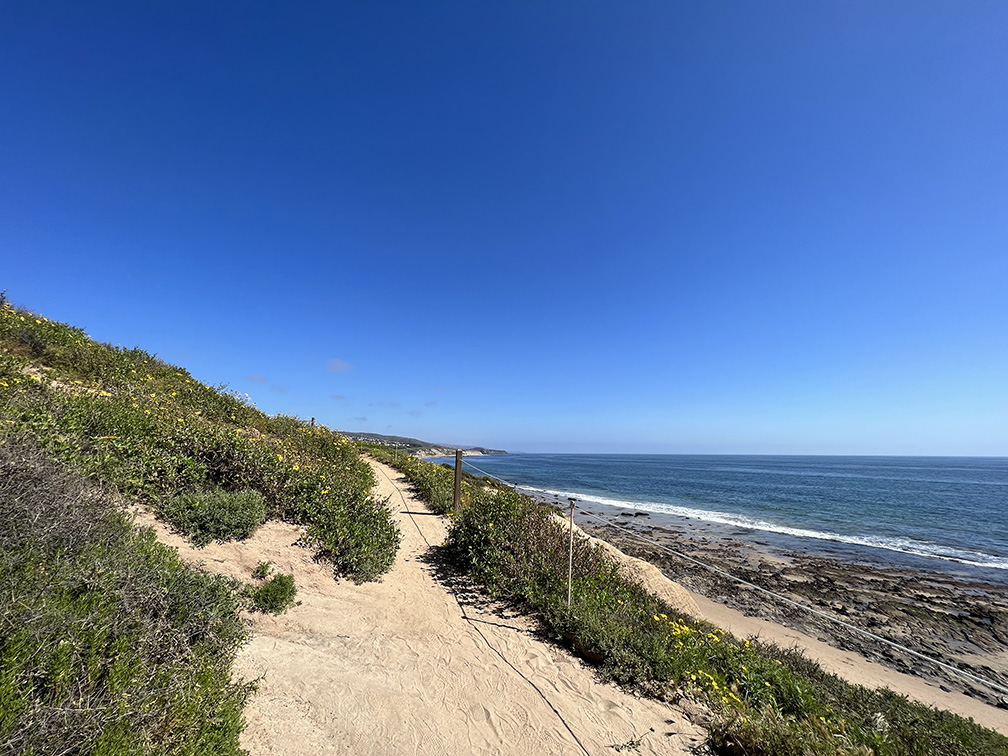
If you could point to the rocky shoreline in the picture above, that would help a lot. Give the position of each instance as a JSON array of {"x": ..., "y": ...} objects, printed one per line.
[{"x": 960, "y": 621}]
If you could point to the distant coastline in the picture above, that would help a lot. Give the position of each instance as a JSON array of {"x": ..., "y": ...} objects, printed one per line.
[
  {"x": 449, "y": 451},
  {"x": 417, "y": 448}
]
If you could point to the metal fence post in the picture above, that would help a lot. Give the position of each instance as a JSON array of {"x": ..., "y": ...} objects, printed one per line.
[{"x": 570, "y": 556}]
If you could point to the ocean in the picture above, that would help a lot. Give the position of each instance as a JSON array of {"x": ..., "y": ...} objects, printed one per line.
[{"x": 946, "y": 514}]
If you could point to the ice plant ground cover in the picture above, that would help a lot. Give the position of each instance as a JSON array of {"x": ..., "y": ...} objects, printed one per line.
[
  {"x": 108, "y": 644},
  {"x": 764, "y": 700}
]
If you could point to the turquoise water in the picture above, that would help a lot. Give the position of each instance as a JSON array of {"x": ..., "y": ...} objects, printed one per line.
[{"x": 938, "y": 512}]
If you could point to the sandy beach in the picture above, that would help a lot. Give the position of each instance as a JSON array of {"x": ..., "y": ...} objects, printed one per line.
[{"x": 417, "y": 663}]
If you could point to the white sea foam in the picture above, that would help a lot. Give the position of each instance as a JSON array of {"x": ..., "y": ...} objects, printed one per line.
[{"x": 902, "y": 545}]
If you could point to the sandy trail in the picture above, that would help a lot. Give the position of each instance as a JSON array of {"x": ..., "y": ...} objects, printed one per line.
[
  {"x": 405, "y": 667},
  {"x": 402, "y": 667}
]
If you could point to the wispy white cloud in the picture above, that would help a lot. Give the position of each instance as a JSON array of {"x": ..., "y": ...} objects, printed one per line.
[
  {"x": 279, "y": 389},
  {"x": 257, "y": 378},
  {"x": 430, "y": 404},
  {"x": 393, "y": 405},
  {"x": 336, "y": 365},
  {"x": 361, "y": 419},
  {"x": 337, "y": 397}
]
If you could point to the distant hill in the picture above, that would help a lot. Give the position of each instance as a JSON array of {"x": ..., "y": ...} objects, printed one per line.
[{"x": 417, "y": 447}]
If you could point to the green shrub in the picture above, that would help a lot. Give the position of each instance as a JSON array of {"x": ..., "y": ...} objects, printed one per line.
[
  {"x": 125, "y": 417},
  {"x": 207, "y": 516},
  {"x": 275, "y": 595},
  {"x": 262, "y": 570},
  {"x": 108, "y": 643}
]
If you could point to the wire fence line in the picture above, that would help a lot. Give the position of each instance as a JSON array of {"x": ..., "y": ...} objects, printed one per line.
[{"x": 797, "y": 604}]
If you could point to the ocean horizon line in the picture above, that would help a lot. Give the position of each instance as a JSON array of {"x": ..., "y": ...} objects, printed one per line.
[{"x": 851, "y": 455}]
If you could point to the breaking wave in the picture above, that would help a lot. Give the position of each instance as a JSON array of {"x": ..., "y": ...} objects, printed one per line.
[{"x": 901, "y": 545}]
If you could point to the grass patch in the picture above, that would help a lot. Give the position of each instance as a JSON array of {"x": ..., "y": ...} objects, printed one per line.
[
  {"x": 765, "y": 701},
  {"x": 108, "y": 644}
]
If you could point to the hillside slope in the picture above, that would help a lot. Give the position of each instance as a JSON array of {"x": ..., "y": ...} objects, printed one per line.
[{"x": 108, "y": 643}]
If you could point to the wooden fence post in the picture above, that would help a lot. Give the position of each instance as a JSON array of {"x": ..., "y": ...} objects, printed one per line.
[{"x": 457, "y": 500}]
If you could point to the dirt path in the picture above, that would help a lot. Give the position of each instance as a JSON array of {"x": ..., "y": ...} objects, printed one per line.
[
  {"x": 405, "y": 666},
  {"x": 402, "y": 667}
]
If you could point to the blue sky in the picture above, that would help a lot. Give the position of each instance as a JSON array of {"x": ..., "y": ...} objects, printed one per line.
[{"x": 571, "y": 226}]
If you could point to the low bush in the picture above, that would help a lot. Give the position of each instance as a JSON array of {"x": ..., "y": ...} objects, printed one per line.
[
  {"x": 207, "y": 516},
  {"x": 262, "y": 570},
  {"x": 274, "y": 595},
  {"x": 108, "y": 643}
]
